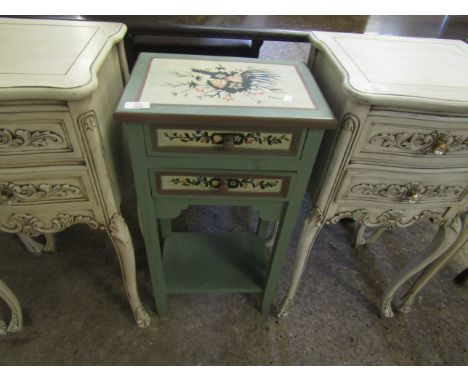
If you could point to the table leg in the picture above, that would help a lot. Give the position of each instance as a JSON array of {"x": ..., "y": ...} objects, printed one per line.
[
  {"x": 310, "y": 231},
  {"x": 49, "y": 245},
  {"x": 34, "y": 246},
  {"x": 30, "y": 244},
  {"x": 460, "y": 244},
  {"x": 270, "y": 240},
  {"x": 360, "y": 239},
  {"x": 445, "y": 237},
  {"x": 120, "y": 236},
  {"x": 16, "y": 322}
]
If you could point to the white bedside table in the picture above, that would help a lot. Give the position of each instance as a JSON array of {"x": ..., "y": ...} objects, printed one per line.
[
  {"x": 401, "y": 152},
  {"x": 60, "y": 82}
]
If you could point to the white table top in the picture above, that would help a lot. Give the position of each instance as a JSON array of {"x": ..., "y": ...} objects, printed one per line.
[
  {"x": 53, "y": 59},
  {"x": 418, "y": 72}
]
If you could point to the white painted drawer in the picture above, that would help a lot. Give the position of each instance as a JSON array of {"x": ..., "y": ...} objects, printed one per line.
[
  {"x": 31, "y": 186},
  {"x": 38, "y": 222},
  {"x": 405, "y": 188},
  {"x": 37, "y": 137},
  {"x": 411, "y": 139},
  {"x": 388, "y": 218}
]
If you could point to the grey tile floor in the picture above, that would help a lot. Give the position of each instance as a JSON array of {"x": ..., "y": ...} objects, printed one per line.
[{"x": 76, "y": 312}]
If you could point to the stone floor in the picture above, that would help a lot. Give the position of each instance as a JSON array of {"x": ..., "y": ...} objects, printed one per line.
[{"x": 76, "y": 312}]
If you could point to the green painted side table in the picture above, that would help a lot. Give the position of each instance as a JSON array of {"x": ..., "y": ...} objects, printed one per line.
[{"x": 219, "y": 131}]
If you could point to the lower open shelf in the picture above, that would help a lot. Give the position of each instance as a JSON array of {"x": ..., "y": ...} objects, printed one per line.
[{"x": 214, "y": 262}]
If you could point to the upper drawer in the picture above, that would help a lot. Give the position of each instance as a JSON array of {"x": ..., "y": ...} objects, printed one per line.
[
  {"x": 32, "y": 137},
  {"x": 414, "y": 139},
  {"x": 226, "y": 141}
]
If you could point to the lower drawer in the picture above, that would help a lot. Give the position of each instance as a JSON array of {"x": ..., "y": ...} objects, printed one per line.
[
  {"x": 45, "y": 185},
  {"x": 393, "y": 186},
  {"x": 221, "y": 184},
  {"x": 36, "y": 221}
]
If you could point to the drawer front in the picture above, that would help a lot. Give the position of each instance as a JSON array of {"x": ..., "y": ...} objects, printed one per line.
[
  {"x": 29, "y": 137},
  {"x": 215, "y": 184},
  {"x": 402, "y": 187},
  {"x": 55, "y": 219},
  {"x": 422, "y": 140},
  {"x": 36, "y": 186},
  {"x": 214, "y": 140},
  {"x": 388, "y": 218}
]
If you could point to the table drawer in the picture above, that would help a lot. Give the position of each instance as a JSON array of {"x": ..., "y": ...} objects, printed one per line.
[
  {"x": 219, "y": 140},
  {"x": 38, "y": 186},
  {"x": 221, "y": 184},
  {"x": 397, "y": 186},
  {"x": 34, "y": 221},
  {"x": 425, "y": 140},
  {"x": 41, "y": 136}
]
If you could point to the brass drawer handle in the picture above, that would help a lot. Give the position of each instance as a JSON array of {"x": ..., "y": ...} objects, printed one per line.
[
  {"x": 223, "y": 185},
  {"x": 228, "y": 141},
  {"x": 412, "y": 196},
  {"x": 440, "y": 147}
]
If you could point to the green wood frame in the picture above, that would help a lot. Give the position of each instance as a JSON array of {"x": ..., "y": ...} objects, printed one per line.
[{"x": 234, "y": 262}]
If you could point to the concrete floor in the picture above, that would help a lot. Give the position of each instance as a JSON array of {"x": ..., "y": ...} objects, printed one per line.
[{"x": 76, "y": 312}]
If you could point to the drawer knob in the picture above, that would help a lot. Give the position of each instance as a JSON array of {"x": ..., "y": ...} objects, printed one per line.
[
  {"x": 412, "y": 196},
  {"x": 440, "y": 147},
  {"x": 228, "y": 141},
  {"x": 223, "y": 185}
]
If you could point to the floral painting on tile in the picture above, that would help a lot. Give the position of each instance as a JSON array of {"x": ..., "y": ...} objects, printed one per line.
[
  {"x": 194, "y": 82},
  {"x": 223, "y": 83}
]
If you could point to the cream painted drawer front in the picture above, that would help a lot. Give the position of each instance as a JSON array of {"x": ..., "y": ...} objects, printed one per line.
[
  {"x": 225, "y": 184},
  {"x": 219, "y": 140},
  {"x": 414, "y": 140},
  {"x": 406, "y": 187},
  {"x": 387, "y": 218},
  {"x": 44, "y": 185},
  {"x": 35, "y": 223},
  {"x": 44, "y": 136}
]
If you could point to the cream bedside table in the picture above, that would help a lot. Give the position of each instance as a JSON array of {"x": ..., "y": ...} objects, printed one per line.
[
  {"x": 59, "y": 84},
  {"x": 401, "y": 152}
]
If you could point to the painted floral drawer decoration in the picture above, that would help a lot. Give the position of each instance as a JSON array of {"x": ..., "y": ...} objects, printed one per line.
[
  {"x": 210, "y": 138},
  {"x": 224, "y": 83},
  {"x": 214, "y": 183}
]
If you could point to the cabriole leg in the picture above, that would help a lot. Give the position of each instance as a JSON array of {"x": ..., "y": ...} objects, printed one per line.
[
  {"x": 16, "y": 322},
  {"x": 270, "y": 240},
  {"x": 49, "y": 245},
  {"x": 460, "y": 244},
  {"x": 359, "y": 238},
  {"x": 30, "y": 244},
  {"x": 445, "y": 237},
  {"x": 122, "y": 241},
  {"x": 312, "y": 227}
]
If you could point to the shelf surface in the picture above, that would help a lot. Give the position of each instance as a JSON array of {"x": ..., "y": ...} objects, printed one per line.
[{"x": 214, "y": 262}]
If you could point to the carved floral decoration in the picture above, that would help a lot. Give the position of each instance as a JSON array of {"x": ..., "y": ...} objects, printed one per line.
[
  {"x": 18, "y": 193},
  {"x": 28, "y": 138},
  {"x": 420, "y": 142}
]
